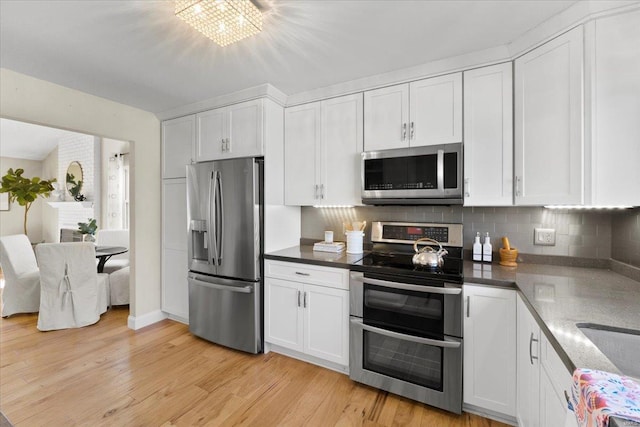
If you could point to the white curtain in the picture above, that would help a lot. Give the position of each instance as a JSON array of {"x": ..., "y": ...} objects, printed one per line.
[{"x": 118, "y": 192}]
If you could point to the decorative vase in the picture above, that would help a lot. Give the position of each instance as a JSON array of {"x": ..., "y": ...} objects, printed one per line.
[{"x": 88, "y": 238}]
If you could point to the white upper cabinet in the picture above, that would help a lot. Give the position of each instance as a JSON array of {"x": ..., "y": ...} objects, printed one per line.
[
  {"x": 178, "y": 145},
  {"x": 301, "y": 141},
  {"x": 435, "y": 110},
  {"x": 386, "y": 118},
  {"x": 323, "y": 142},
  {"x": 548, "y": 122},
  {"x": 424, "y": 112},
  {"x": 613, "y": 71},
  {"x": 488, "y": 136},
  {"x": 230, "y": 132}
]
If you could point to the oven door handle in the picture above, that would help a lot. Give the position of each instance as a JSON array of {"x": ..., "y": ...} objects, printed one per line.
[
  {"x": 445, "y": 344},
  {"x": 416, "y": 288}
]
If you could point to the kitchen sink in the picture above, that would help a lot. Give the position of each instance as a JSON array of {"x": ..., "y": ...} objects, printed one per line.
[{"x": 621, "y": 346}]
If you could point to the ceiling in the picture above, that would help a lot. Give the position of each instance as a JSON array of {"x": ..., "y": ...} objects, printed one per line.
[
  {"x": 138, "y": 53},
  {"x": 28, "y": 141}
]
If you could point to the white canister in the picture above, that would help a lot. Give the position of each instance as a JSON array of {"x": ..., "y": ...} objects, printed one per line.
[
  {"x": 328, "y": 236},
  {"x": 354, "y": 242}
]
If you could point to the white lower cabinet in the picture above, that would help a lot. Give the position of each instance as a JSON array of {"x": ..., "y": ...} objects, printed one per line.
[
  {"x": 175, "y": 289},
  {"x": 307, "y": 311},
  {"x": 490, "y": 350},
  {"x": 543, "y": 378}
]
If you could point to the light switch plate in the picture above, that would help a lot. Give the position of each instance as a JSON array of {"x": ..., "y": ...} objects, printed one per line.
[{"x": 544, "y": 236}]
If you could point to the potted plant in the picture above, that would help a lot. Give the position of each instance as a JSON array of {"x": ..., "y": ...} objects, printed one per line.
[
  {"x": 25, "y": 191},
  {"x": 88, "y": 230}
]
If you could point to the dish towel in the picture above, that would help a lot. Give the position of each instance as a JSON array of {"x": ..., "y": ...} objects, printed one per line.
[{"x": 598, "y": 395}]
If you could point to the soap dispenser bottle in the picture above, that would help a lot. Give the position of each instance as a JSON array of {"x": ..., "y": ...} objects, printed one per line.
[
  {"x": 487, "y": 249},
  {"x": 477, "y": 248}
]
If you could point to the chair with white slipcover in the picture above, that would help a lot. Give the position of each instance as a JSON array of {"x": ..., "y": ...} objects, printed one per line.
[
  {"x": 21, "y": 292},
  {"x": 119, "y": 285},
  {"x": 114, "y": 238},
  {"x": 72, "y": 293}
]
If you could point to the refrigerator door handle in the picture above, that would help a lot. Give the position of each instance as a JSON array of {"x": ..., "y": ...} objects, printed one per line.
[
  {"x": 213, "y": 245},
  {"x": 219, "y": 217},
  {"x": 229, "y": 288}
]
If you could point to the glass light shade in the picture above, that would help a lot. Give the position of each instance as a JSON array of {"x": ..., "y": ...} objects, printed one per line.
[{"x": 223, "y": 21}]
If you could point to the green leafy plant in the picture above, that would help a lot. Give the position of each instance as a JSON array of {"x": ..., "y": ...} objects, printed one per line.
[
  {"x": 75, "y": 188},
  {"x": 25, "y": 191},
  {"x": 88, "y": 227}
]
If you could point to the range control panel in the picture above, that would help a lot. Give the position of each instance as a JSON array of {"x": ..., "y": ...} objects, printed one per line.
[{"x": 402, "y": 232}]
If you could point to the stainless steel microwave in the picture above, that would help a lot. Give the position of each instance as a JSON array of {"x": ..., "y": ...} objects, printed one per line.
[{"x": 413, "y": 176}]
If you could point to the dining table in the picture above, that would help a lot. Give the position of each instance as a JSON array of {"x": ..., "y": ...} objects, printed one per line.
[{"x": 103, "y": 253}]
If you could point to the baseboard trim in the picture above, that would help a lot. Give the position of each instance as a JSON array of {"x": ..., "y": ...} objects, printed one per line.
[
  {"x": 139, "y": 322},
  {"x": 476, "y": 410}
]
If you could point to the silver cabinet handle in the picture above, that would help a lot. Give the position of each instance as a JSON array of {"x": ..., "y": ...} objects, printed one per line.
[
  {"x": 409, "y": 287},
  {"x": 531, "y": 341},
  {"x": 322, "y": 191},
  {"x": 222, "y": 144},
  {"x": 228, "y": 145},
  {"x": 315, "y": 191},
  {"x": 427, "y": 341},
  {"x": 302, "y": 274},
  {"x": 412, "y": 131},
  {"x": 467, "y": 187},
  {"x": 517, "y": 186},
  {"x": 404, "y": 131},
  {"x": 304, "y": 300},
  {"x": 468, "y": 304},
  {"x": 299, "y": 298}
]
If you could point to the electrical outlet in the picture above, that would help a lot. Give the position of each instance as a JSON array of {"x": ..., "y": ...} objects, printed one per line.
[{"x": 544, "y": 236}]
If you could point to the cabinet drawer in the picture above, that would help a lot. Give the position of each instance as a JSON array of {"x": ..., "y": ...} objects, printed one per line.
[
  {"x": 324, "y": 276},
  {"x": 559, "y": 375}
]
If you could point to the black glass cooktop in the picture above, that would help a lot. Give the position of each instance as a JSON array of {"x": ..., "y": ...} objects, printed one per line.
[{"x": 400, "y": 263}]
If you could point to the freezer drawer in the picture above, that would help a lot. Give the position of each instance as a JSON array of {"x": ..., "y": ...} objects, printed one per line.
[{"x": 226, "y": 312}]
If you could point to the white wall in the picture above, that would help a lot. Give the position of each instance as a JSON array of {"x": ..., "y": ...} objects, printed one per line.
[
  {"x": 12, "y": 221},
  {"x": 50, "y": 232},
  {"x": 37, "y": 101}
]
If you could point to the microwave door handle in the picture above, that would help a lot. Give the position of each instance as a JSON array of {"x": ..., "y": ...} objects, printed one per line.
[
  {"x": 219, "y": 216},
  {"x": 441, "y": 171},
  {"x": 213, "y": 244},
  {"x": 427, "y": 341},
  {"x": 415, "y": 288}
]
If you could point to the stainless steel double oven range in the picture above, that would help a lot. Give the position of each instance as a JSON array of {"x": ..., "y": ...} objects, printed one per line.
[{"x": 406, "y": 321}]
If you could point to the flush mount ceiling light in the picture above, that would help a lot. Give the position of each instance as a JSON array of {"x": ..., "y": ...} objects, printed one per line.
[{"x": 223, "y": 21}]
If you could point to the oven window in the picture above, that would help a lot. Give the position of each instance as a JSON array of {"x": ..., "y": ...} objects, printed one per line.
[
  {"x": 416, "y": 363},
  {"x": 409, "y": 311}
]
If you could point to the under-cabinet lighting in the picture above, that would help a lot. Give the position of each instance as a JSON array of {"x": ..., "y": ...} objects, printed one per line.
[
  {"x": 583, "y": 207},
  {"x": 223, "y": 21},
  {"x": 333, "y": 206}
]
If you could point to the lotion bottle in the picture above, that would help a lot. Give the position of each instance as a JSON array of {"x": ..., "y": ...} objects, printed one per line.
[
  {"x": 477, "y": 248},
  {"x": 487, "y": 249}
]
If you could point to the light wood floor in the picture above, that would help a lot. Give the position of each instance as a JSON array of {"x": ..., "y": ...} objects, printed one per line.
[{"x": 107, "y": 374}]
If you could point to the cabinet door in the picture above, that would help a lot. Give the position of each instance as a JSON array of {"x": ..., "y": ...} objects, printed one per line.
[
  {"x": 211, "y": 134},
  {"x": 301, "y": 143},
  {"x": 615, "y": 109},
  {"x": 553, "y": 408},
  {"x": 175, "y": 289},
  {"x": 488, "y": 136},
  {"x": 326, "y": 323},
  {"x": 340, "y": 149},
  {"x": 386, "y": 114},
  {"x": 490, "y": 349},
  {"x": 283, "y": 313},
  {"x": 528, "y": 367},
  {"x": 435, "y": 110},
  {"x": 246, "y": 130},
  {"x": 178, "y": 145},
  {"x": 548, "y": 122}
]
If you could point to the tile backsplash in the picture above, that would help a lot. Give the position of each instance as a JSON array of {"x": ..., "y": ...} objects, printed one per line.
[
  {"x": 586, "y": 234},
  {"x": 625, "y": 236}
]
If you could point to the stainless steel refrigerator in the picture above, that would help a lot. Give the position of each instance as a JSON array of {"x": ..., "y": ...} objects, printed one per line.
[{"x": 225, "y": 209}]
